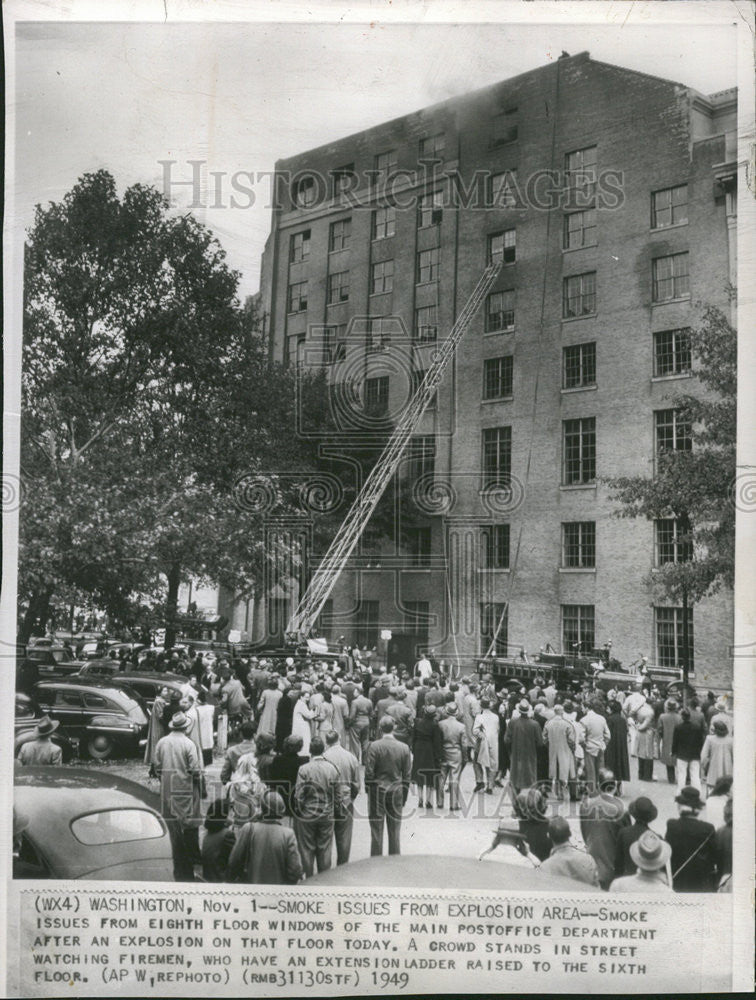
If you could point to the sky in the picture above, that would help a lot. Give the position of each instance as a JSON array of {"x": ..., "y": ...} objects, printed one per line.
[{"x": 237, "y": 97}]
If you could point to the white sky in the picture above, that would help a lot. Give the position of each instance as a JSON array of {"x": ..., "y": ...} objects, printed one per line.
[{"x": 239, "y": 96}]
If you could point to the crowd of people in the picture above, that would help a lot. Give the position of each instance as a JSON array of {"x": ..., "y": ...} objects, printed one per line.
[{"x": 304, "y": 736}]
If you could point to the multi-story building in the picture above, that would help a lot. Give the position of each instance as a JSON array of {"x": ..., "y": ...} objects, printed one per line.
[{"x": 607, "y": 195}]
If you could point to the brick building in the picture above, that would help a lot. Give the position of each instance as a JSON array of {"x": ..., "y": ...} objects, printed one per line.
[{"x": 608, "y": 196}]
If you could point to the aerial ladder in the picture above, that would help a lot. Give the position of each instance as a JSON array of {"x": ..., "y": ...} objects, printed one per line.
[{"x": 346, "y": 538}]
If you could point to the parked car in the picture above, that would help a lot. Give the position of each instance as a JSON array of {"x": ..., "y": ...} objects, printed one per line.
[
  {"x": 148, "y": 685},
  {"x": 108, "y": 720},
  {"x": 420, "y": 871},
  {"x": 79, "y": 823},
  {"x": 28, "y": 714},
  {"x": 53, "y": 661}
]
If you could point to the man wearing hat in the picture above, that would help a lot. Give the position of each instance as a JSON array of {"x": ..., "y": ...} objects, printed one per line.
[
  {"x": 644, "y": 812},
  {"x": 42, "y": 750},
  {"x": 523, "y": 737},
  {"x": 650, "y": 854},
  {"x": 693, "y": 845},
  {"x": 402, "y": 715},
  {"x": 178, "y": 766},
  {"x": 453, "y": 755},
  {"x": 266, "y": 852}
]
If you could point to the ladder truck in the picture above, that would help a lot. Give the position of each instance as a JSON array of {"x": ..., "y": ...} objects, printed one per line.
[{"x": 344, "y": 541}]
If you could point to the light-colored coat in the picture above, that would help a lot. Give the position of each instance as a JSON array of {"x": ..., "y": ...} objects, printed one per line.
[
  {"x": 300, "y": 725},
  {"x": 177, "y": 764},
  {"x": 268, "y": 705},
  {"x": 645, "y": 744},
  {"x": 486, "y": 732},
  {"x": 559, "y": 735},
  {"x": 716, "y": 758}
]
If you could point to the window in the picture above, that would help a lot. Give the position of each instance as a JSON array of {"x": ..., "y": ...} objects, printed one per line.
[
  {"x": 578, "y": 628},
  {"x": 432, "y": 147},
  {"x": 430, "y": 209},
  {"x": 68, "y": 699},
  {"x": 494, "y": 546},
  {"x": 670, "y": 639},
  {"x": 385, "y": 165},
  {"x": 497, "y": 456},
  {"x": 381, "y": 277},
  {"x": 367, "y": 624},
  {"x": 378, "y": 334},
  {"x": 579, "y": 544},
  {"x": 672, "y": 431},
  {"x": 673, "y": 541},
  {"x": 338, "y": 287},
  {"x": 377, "y": 396},
  {"x": 579, "y": 451},
  {"x": 494, "y": 621},
  {"x": 579, "y": 366},
  {"x": 580, "y": 174},
  {"x": 500, "y": 311},
  {"x": 427, "y": 265},
  {"x": 504, "y": 127},
  {"x": 497, "y": 377},
  {"x": 670, "y": 277},
  {"x": 669, "y": 207},
  {"x": 384, "y": 222},
  {"x": 501, "y": 246},
  {"x": 419, "y": 546},
  {"x": 116, "y": 826},
  {"x": 502, "y": 189},
  {"x": 334, "y": 343},
  {"x": 426, "y": 323},
  {"x": 417, "y": 376},
  {"x": 422, "y": 456},
  {"x": 305, "y": 192},
  {"x": 97, "y": 701},
  {"x": 297, "y": 296},
  {"x": 299, "y": 246},
  {"x": 340, "y": 235},
  {"x": 293, "y": 346},
  {"x": 579, "y": 295},
  {"x": 580, "y": 229},
  {"x": 416, "y": 619},
  {"x": 344, "y": 179},
  {"x": 672, "y": 355}
]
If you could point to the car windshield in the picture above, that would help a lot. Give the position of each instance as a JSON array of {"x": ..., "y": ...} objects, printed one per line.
[{"x": 113, "y": 826}]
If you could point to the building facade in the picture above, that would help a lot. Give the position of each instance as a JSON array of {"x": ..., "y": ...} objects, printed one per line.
[{"x": 607, "y": 196}]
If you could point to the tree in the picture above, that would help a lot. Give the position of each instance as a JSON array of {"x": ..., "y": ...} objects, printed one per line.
[
  {"x": 692, "y": 485},
  {"x": 145, "y": 392}
]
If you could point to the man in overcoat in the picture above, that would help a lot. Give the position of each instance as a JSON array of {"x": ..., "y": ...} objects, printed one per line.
[
  {"x": 523, "y": 737},
  {"x": 178, "y": 766}
]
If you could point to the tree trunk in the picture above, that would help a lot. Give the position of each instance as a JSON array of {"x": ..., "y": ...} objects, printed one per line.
[
  {"x": 171, "y": 604},
  {"x": 37, "y": 612},
  {"x": 685, "y": 647}
]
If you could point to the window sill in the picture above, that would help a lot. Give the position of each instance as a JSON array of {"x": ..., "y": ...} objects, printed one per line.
[
  {"x": 577, "y": 569},
  {"x": 430, "y": 281},
  {"x": 671, "y": 378},
  {"x": 669, "y": 302},
  {"x": 575, "y": 319},
  {"x": 665, "y": 229},
  {"x": 585, "y": 246},
  {"x": 338, "y": 302},
  {"x": 387, "y": 291},
  {"x": 578, "y": 388},
  {"x": 570, "y": 487},
  {"x": 504, "y": 263},
  {"x": 296, "y": 312},
  {"x": 498, "y": 399},
  {"x": 497, "y": 333},
  {"x": 494, "y": 569},
  {"x": 338, "y": 250},
  {"x": 377, "y": 239}
]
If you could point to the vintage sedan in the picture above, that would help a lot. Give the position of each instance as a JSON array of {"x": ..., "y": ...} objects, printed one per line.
[
  {"x": 28, "y": 715},
  {"x": 77, "y": 824},
  {"x": 148, "y": 684},
  {"x": 106, "y": 719},
  {"x": 53, "y": 661}
]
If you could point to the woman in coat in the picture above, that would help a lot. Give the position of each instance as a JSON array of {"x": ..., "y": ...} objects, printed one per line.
[
  {"x": 716, "y": 755},
  {"x": 645, "y": 746},
  {"x": 426, "y": 756},
  {"x": 669, "y": 720},
  {"x": 325, "y": 715},
  {"x": 486, "y": 737},
  {"x": 157, "y": 728},
  {"x": 300, "y": 724},
  {"x": 245, "y": 791},
  {"x": 268, "y": 708},
  {"x": 616, "y": 758}
]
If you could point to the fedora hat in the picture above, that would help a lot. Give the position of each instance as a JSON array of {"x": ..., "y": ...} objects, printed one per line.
[
  {"x": 691, "y": 797},
  {"x": 179, "y": 721},
  {"x": 451, "y": 708},
  {"x": 643, "y": 810},
  {"x": 524, "y": 705},
  {"x": 46, "y": 725},
  {"x": 650, "y": 852}
]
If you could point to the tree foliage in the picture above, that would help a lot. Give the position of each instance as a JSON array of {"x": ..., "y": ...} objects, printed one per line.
[{"x": 695, "y": 486}]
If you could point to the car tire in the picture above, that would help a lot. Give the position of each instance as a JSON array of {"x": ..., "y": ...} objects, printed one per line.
[{"x": 100, "y": 746}]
